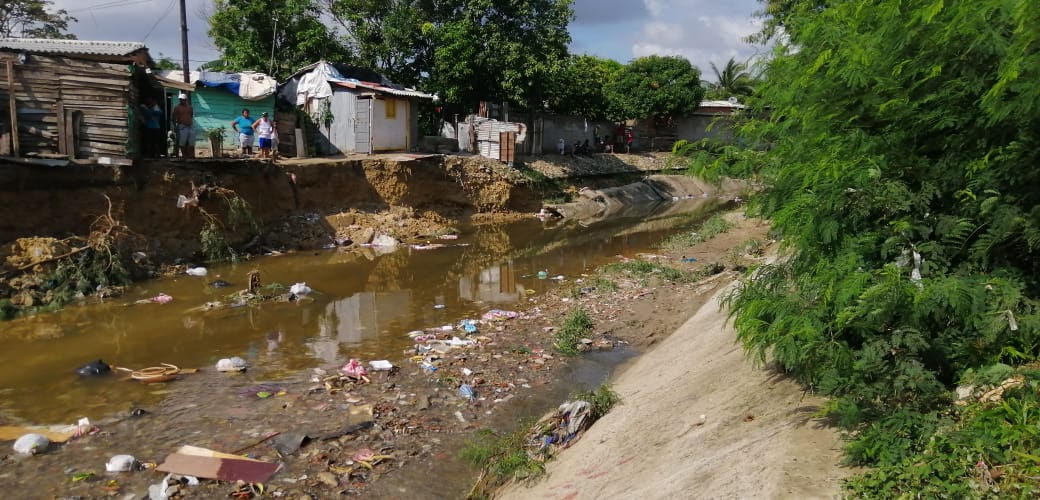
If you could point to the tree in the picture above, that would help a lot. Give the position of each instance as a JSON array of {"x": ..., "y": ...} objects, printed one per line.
[
  {"x": 580, "y": 88},
  {"x": 166, "y": 63},
  {"x": 657, "y": 86},
  {"x": 733, "y": 80},
  {"x": 390, "y": 36},
  {"x": 33, "y": 19},
  {"x": 902, "y": 179},
  {"x": 499, "y": 50},
  {"x": 244, "y": 30}
]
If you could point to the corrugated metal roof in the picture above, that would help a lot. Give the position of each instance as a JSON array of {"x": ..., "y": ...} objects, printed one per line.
[
  {"x": 386, "y": 90},
  {"x": 56, "y": 46}
]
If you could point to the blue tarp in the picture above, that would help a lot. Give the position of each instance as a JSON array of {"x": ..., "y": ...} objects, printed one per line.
[{"x": 229, "y": 86}]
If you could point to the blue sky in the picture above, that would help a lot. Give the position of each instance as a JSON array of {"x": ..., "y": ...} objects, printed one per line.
[{"x": 703, "y": 31}]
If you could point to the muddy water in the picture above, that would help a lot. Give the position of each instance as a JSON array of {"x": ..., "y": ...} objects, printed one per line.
[{"x": 365, "y": 305}]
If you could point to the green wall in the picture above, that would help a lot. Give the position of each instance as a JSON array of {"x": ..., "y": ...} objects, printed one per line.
[{"x": 216, "y": 107}]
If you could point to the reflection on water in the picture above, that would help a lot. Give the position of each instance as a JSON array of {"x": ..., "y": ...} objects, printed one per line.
[{"x": 366, "y": 302}]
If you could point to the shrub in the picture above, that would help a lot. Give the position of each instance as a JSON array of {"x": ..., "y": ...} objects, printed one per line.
[{"x": 575, "y": 327}]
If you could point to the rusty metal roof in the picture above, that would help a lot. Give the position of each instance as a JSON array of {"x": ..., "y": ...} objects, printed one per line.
[{"x": 57, "y": 46}]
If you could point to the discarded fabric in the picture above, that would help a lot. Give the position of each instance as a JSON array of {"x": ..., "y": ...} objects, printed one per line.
[
  {"x": 162, "y": 298},
  {"x": 466, "y": 391}
]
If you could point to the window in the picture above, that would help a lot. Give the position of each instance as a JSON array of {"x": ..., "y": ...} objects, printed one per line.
[{"x": 391, "y": 108}]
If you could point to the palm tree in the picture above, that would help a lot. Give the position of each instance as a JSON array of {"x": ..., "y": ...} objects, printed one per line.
[{"x": 733, "y": 80}]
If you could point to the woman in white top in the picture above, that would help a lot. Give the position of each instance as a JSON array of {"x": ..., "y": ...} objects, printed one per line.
[{"x": 264, "y": 129}]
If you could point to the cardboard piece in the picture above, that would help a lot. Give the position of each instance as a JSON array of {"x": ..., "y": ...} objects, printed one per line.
[
  {"x": 223, "y": 469},
  {"x": 11, "y": 433}
]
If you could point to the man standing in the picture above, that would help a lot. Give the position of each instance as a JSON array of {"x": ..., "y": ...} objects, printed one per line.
[
  {"x": 244, "y": 126},
  {"x": 151, "y": 116},
  {"x": 183, "y": 116}
]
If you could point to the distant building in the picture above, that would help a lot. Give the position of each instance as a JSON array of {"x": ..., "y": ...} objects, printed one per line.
[
  {"x": 354, "y": 110},
  {"x": 72, "y": 98}
]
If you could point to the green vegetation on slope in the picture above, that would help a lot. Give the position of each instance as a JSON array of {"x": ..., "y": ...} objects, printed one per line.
[{"x": 901, "y": 178}]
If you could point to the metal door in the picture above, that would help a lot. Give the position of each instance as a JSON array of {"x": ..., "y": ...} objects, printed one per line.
[{"x": 363, "y": 126}]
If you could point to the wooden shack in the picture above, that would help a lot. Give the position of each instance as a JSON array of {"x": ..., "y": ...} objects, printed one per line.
[{"x": 72, "y": 98}]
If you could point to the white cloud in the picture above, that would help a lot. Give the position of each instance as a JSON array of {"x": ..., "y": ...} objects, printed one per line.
[{"x": 703, "y": 31}]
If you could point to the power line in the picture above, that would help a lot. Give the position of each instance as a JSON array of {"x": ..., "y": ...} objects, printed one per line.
[
  {"x": 110, "y": 5},
  {"x": 157, "y": 21}
]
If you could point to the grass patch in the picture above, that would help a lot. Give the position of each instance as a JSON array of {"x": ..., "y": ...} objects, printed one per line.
[
  {"x": 601, "y": 400},
  {"x": 711, "y": 228},
  {"x": 549, "y": 190},
  {"x": 577, "y": 325},
  {"x": 502, "y": 458},
  {"x": 646, "y": 269}
]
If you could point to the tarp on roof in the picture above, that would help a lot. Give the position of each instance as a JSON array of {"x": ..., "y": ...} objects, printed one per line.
[
  {"x": 317, "y": 84},
  {"x": 248, "y": 85}
]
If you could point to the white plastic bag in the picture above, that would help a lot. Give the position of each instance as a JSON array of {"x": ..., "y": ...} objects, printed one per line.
[
  {"x": 31, "y": 444},
  {"x": 120, "y": 463},
  {"x": 196, "y": 271},
  {"x": 300, "y": 289},
  {"x": 235, "y": 364},
  {"x": 381, "y": 365}
]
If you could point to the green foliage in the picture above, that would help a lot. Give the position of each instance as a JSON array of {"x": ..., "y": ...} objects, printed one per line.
[
  {"x": 499, "y": 50},
  {"x": 215, "y": 247},
  {"x": 576, "y": 326},
  {"x": 601, "y": 400},
  {"x": 85, "y": 273},
  {"x": 733, "y": 80},
  {"x": 502, "y": 457},
  {"x": 656, "y": 86},
  {"x": 244, "y": 30},
  {"x": 980, "y": 451},
  {"x": 581, "y": 88},
  {"x": 548, "y": 189},
  {"x": 390, "y": 36},
  {"x": 166, "y": 63},
  {"x": 34, "y": 19},
  {"x": 711, "y": 228},
  {"x": 902, "y": 142}
]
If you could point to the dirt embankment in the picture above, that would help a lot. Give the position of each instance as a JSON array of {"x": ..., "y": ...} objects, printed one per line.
[{"x": 698, "y": 420}]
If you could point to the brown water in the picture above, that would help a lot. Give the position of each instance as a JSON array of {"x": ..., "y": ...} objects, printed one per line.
[{"x": 365, "y": 305}]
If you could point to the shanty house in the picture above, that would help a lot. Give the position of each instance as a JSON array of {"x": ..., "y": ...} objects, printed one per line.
[
  {"x": 217, "y": 98},
  {"x": 72, "y": 98},
  {"x": 355, "y": 110}
]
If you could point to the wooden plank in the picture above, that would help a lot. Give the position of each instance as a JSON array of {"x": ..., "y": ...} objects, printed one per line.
[
  {"x": 62, "y": 133},
  {"x": 112, "y": 82},
  {"x": 13, "y": 105}
]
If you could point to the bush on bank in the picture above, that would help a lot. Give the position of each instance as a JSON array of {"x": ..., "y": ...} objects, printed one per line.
[{"x": 900, "y": 169}]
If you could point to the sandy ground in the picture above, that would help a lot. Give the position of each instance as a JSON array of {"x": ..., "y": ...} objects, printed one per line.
[{"x": 758, "y": 440}]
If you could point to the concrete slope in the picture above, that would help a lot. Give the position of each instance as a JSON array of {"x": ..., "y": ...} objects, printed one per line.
[{"x": 758, "y": 439}]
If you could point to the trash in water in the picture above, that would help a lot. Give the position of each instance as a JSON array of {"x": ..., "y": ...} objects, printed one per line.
[
  {"x": 381, "y": 365},
  {"x": 162, "y": 298},
  {"x": 300, "y": 289},
  {"x": 559, "y": 277},
  {"x": 689, "y": 259},
  {"x": 469, "y": 325},
  {"x": 120, "y": 463},
  {"x": 210, "y": 464},
  {"x": 543, "y": 274},
  {"x": 499, "y": 315},
  {"x": 428, "y": 367},
  {"x": 466, "y": 391},
  {"x": 466, "y": 372},
  {"x": 235, "y": 364},
  {"x": 94, "y": 368},
  {"x": 196, "y": 271},
  {"x": 153, "y": 374},
  {"x": 449, "y": 236},
  {"x": 159, "y": 491},
  {"x": 438, "y": 306},
  {"x": 219, "y": 284},
  {"x": 355, "y": 370},
  {"x": 447, "y": 328},
  {"x": 31, "y": 444}
]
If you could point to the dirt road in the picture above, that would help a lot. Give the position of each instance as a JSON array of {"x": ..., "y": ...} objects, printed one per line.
[{"x": 758, "y": 438}]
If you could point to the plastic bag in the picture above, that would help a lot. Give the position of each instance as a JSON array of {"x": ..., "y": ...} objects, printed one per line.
[
  {"x": 120, "y": 463},
  {"x": 466, "y": 391},
  {"x": 300, "y": 289},
  {"x": 196, "y": 271},
  {"x": 31, "y": 444},
  {"x": 381, "y": 365},
  {"x": 354, "y": 369},
  {"x": 235, "y": 364}
]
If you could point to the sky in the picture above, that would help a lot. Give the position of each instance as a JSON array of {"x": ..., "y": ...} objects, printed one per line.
[{"x": 703, "y": 31}]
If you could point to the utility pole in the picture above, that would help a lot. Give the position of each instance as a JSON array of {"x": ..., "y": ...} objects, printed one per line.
[{"x": 184, "y": 42}]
